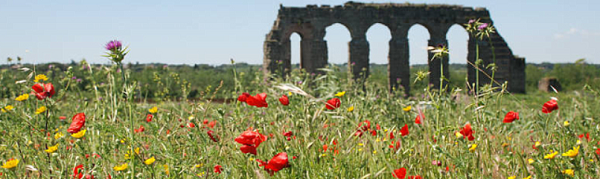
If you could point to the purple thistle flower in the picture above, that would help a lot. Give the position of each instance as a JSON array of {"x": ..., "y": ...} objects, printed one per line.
[
  {"x": 482, "y": 26},
  {"x": 113, "y": 45},
  {"x": 471, "y": 21},
  {"x": 79, "y": 80},
  {"x": 74, "y": 77}
]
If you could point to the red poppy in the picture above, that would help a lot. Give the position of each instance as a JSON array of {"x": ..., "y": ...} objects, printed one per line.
[
  {"x": 419, "y": 118},
  {"x": 62, "y": 117},
  {"x": 325, "y": 147},
  {"x": 404, "y": 130},
  {"x": 333, "y": 103},
  {"x": 377, "y": 127},
  {"x": 467, "y": 132},
  {"x": 284, "y": 100},
  {"x": 141, "y": 129},
  {"x": 598, "y": 151},
  {"x": 212, "y": 136},
  {"x": 250, "y": 140},
  {"x": 248, "y": 149},
  {"x": 149, "y": 117},
  {"x": 358, "y": 133},
  {"x": 288, "y": 134},
  {"x": 373, "y": 132},
  {"x": 191, "y": 125},
  {"x": 396, "y": 147},
  {"x": 511, "y": 116},
  {"x": 89, "y": 177},
  {"x": 366, "y": 127},
  {"x": 77, "y": 123},
  {"x": 218, "y": 168},
  {"x": 278, "y": 162},
  {"x": 550, "y": 106},
  {"x": 415, "y": 177},
  {"x": 78, "y": 171},
  {"x": 259, "y": 100},
  {"x": 212, "y": 124},
  {"x": 587, "y": 136},
  {"x": 399, "y": 173},
  {"x": 243, "y": 97},
  {"x": 43, "y": 90},
  {"x": 392, "y": 135}
]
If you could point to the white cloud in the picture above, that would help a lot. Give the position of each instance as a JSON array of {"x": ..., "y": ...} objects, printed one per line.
[{"x": 574, "y": 31}]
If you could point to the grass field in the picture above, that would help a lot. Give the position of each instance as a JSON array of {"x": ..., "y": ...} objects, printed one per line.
[{"x": 372, "y": 134}]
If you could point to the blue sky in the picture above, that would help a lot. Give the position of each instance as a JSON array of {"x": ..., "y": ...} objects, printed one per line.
[{"x": 212, "y": 32}]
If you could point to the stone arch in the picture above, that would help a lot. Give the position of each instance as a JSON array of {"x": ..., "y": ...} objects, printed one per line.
[{"x": 311, "y": 21}]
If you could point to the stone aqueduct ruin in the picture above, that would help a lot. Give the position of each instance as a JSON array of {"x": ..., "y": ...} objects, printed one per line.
[{"x": 310, "y": 23}]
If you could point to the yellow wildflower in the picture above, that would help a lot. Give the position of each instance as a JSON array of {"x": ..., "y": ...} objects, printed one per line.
[
  {"x": 530, "y": 161},
  {"x": 360, "y": 144},
  {"x": 512, "y": 177},
  {"x": 374, "y": 151},
  {"x": 572, "y": 153},
  {"x": 40, "y": 77},
  {"x": 351, "y": 108},
  {"x": 79, "y": 134},
  {"x": 12, "y": 163},
  {"x": 407, "y": 108},
  {"x": 200, "y": 165},
  {"x": 137, "y": 150},
  {"x": 537, "y": 144},
  {"x": 201, "y": 174},
  {"x": 52, "y": 149},
  {"x": 23, "y": 97},
  {"x": 551, "y": 155},
  {"x": 458, "y": 135},
  {"x": 504, "y": 144},
  {"x": 8, "y": 108},
  {"x": 40, "y": 110},
  {"x": 120, "y": 167},
  {"x": 166, "y": 169},
  {"x": 569, "y": 172},
  {"x": 289, "y": 93},
  {"x": 153, "y": 110},
  {"x": 566, "y": 123},
  {"x": 340, "y": 94},
  {"x": 150, "y": 161},
  {"x": 529, "y": 177},
  {"x": 578, "y": 142},
  {"x": 472, "y": 148},
  {"x": 58, "y": 135},
  {"x": 191, "y": 118}
]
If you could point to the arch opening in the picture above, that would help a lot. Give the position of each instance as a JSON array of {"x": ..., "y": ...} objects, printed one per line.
[
  {"x": 296, "y": 51},
  {"x": 337, "y": 36},
  {"x": 378, "y": 36},
  {"x": 458, "y": 39},
  {"x": 418, "y": 37}
]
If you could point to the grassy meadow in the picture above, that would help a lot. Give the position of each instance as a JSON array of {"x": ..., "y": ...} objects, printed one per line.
[{"x": 372, "y": 134}]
